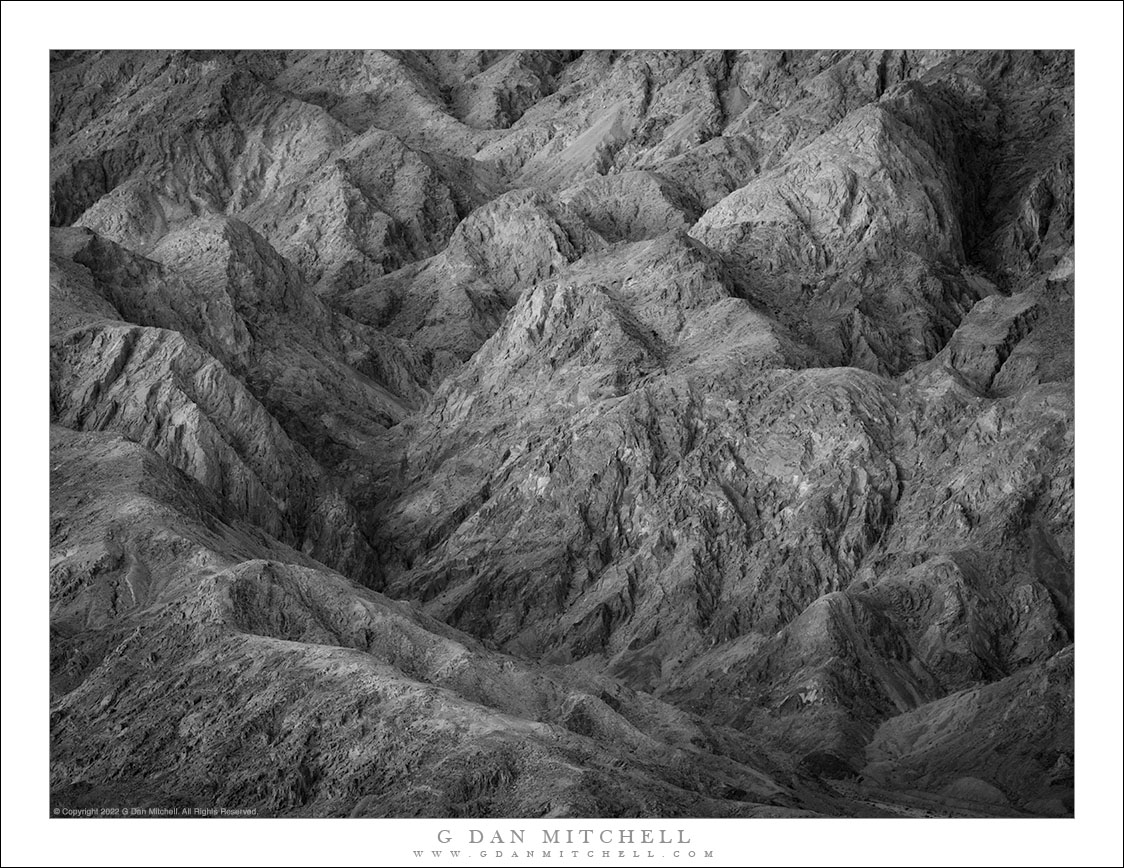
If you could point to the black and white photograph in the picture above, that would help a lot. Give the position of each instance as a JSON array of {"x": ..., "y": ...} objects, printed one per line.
[{"x": 539, "y": 441}]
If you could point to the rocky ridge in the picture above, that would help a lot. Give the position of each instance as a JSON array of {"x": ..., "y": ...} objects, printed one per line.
[{"x": 563, "y": 433}]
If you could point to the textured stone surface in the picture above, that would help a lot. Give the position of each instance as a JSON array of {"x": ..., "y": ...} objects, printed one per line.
[
  {"x": 563, "y": 433},
  {"x": 318, "y": 697}
]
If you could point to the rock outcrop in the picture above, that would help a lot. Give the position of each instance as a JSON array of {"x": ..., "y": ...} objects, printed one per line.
[
  {"x": 563, "y": 433},
  {"x": 346, "y": 692}
]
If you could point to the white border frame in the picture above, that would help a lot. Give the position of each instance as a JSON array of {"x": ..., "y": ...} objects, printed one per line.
[{"x": 31, "y": 28}]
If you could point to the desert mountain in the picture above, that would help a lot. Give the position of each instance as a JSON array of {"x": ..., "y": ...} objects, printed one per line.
[{"x": 563, "y": 433}]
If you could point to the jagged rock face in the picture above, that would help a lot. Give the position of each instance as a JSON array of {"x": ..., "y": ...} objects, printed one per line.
[
  {"x": 563, "y": 433},
  {"x": 449, "y": 304},
  {"x": 346, "y": 691}
]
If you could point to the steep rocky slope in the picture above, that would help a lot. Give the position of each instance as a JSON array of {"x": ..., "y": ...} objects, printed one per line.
[
  {"x": 563, "y": 433},
  {"x": 196, "y": 659}
]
